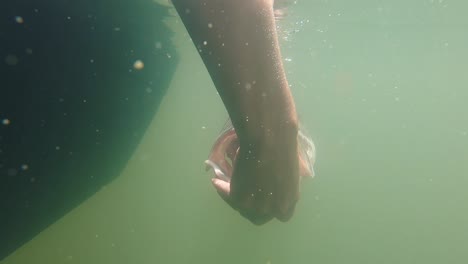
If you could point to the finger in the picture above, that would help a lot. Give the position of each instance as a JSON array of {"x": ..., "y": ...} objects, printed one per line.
[
  {"x": 217, "y": 170},
  {"x": 262, "y": 201},
  {"x": 223, "y": 187},
  {"x": 255, "y": 218},
  {"x": 285, "y": 212},
  {"x": 304, "y": 169},
  {"x": 254, "y": 206},
  {"x": 223, "y": 191},
  {"x": 219, "y": 163},
  {"x": 232, "y": 148},
  {"x": 285, "y": 209}
]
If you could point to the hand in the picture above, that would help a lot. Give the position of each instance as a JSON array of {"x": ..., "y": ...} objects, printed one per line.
[{"x": 264, "y": 180}]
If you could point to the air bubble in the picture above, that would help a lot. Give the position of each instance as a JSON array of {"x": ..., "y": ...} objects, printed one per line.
[
  {"x": 138, "y": 65},
  {"x": 19, "y": 19},
  {"x": 6, "y": 121}
]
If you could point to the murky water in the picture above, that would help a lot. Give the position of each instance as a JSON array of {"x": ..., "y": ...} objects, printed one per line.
[{"x": 379, "y": 85}]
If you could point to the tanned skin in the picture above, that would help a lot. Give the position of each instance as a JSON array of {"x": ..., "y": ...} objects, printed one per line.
[{"x": 238, "y": 43}]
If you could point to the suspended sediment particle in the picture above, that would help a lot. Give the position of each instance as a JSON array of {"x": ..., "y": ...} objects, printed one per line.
[
  {"x": 19, "y": 19},
  {"x": 6, "y": 121},
  {"x": 11, "y": 60},
  {"x": 138, "y": 65}
]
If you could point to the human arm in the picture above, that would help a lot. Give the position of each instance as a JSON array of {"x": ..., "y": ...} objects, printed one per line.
[{"x": 238, "y": 43}]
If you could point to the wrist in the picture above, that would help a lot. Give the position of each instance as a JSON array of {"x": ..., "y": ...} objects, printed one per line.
[{"x": 271, "y": 130}]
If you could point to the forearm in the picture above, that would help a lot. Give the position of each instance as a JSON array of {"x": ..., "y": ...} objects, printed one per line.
[{"x": 238, "y": 43}]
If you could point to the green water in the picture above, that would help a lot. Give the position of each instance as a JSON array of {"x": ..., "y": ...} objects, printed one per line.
[{"x": 380, "y": 86}]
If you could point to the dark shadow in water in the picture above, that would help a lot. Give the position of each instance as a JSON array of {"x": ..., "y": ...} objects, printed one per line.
[{"x": 72, "y": 107}]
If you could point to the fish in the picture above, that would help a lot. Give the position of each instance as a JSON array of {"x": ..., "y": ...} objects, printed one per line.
[{"x": 226, "y": 148}]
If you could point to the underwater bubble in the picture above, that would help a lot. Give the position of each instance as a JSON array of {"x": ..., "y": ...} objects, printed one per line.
[
  {"x": 6, "y": 121},
  {"x": 19, "y": 19},
  {"x": 138, "y": 65},
  {"x": 11, "y": 60},
  {"x": 158, "y": 45}
]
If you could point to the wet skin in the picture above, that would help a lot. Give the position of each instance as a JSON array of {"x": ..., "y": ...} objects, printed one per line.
[
  {"x": 238, "y": 44},
  {"x": 224, "y": 154}
]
